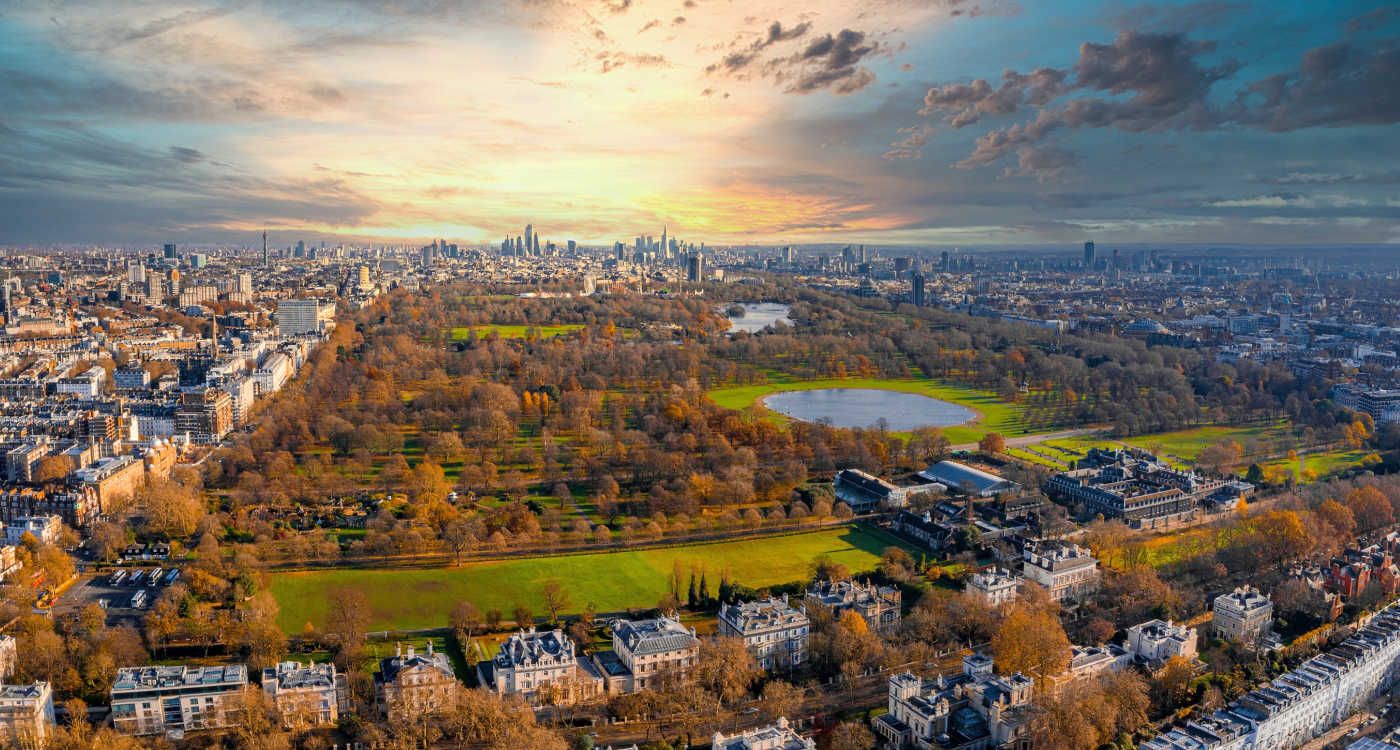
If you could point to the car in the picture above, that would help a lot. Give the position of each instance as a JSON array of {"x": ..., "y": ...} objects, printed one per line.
[{"x": 1352, "y": 732}]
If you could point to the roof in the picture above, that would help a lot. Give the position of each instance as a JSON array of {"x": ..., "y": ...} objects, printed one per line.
[
  {"x": 955, "y": 475},
  {"x": 654, "y": 636},
  {"x": 136, "y": 678}
]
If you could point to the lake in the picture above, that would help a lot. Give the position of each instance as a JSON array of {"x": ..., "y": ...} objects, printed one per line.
[
  {"x": 758, "y": 316},
  {"x": 863, "y": 407}
]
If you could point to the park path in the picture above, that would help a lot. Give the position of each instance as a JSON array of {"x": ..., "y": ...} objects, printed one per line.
[{"x": 1021, "y": 441}]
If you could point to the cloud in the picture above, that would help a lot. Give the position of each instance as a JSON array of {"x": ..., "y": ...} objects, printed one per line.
[
  {"x": 830, "y": 62},
  {"x": 1330, "y": 178},
  {"x": 653, "y": 23},
  {"x": 736, "y": 61},
  {"x": 613, "y": 60},
  {"x": 1160, "y": 81},
  {"x": 911, "y": 146},
  {"x": 1335, "y": 85},
  {"x": 186, "y": 154}
]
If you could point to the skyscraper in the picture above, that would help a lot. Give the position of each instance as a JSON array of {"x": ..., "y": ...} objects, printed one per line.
[
  {"x": 665, "y": 249},
  {"x": 916, "y": 283},
  {"x": 170, "y": 250},
  {"x": 529, "y": 238},
  {"x": 1089, "y": 255},
  {"x": 695, "y": 268},
  {"x": 264, "y": 249}
]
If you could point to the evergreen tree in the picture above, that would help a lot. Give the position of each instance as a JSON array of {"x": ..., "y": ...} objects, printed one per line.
[
  {"x": 690, "y": 596},
  {"x": 704, "y": 590}
]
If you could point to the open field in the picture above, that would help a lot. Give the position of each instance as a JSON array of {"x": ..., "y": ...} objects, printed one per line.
[
  {"x": 1322, "y": 463},
  {"x": 1188, "y": 444},
  {"x": 422, "y": 598},
  {"x": 514, "y": 331},
  {"x": 994, "y": 415}
]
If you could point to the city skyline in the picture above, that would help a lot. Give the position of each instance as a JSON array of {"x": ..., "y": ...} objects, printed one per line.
[{"x": 959, "y": 122}]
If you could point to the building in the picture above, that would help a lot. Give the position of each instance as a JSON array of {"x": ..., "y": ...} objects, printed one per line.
[
  {"x": 655, "y": 651},
  {"x": 1069, "y": 572},
  {"x": 306, "y": 695},
  {"x": 8, "y": 655},
  {"x": 879, "y": 606},
  {"x": 1304, "y": 703},
  {"x": 1135, "y": 486},
  {"x": 1382, "y": 404},
  {"x": 304, "y": 317},
  {"x": 1153, "y": 642},
  {"x": 157, "y": 700},
  {"x": 1243, "y": 615},
  {"x": 774, "y": 632},
  {"x": 997, "y": 587},
  {"x": 865, "y": 492},
  {"x": 973, "y": 710},
  {"x": 206, "y": 415},
  {"x": 542, "y": 667},
  {"x": 778, "y": 736},
  {"x": 274, "y": 372},
  {"x": 412, "y": 684},
  {"x": 46, "y": 529},
  {"x": 967, "y": 479},
  {"x": 26, "y": 714},
  {"x": 695, "y": 268}
]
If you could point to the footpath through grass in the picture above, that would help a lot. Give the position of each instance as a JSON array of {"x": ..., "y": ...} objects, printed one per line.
[
  {"x": 402, "y": 599},
  {"x": 993, "y": 414}
]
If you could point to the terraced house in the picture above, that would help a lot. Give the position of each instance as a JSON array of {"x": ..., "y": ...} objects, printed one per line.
[{"x": 1303, "y": 703}]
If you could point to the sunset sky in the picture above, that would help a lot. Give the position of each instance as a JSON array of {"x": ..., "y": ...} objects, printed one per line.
[{"x": 937, "y": 122}]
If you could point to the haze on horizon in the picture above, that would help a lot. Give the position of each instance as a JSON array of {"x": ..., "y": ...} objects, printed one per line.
[{"x": 891, "y": 121}]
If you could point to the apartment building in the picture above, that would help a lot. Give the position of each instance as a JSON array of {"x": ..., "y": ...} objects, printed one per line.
[
  {"x": 998, "y": 587},
  {"x": 303, "y": 317},
  {"x": 1243, "y": 615},
  {"x": 543, "y": 667},
  {"x": 45, "y": 529},
  {"x": 879, "y": 606},
  {"x": 1304, "y": 703},
  {"x": 26, "y": 714},
  {"x": 1069, "y": 572},
  {"x": 655, "y": 650},
  {"x": 1153, "y": 642},
  {"x": 156, "y": 700},
  {"x": 306, "y": 695},
  {"x": 409, "y": 684},
  {"x": 774, "y": 632},
  {"x": 777, "y": 736},
  {"x": 205, "y": 415},
  {"x": 973, "y": 709}
]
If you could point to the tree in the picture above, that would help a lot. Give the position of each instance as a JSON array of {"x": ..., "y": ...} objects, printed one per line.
[
  {"x": 780, "y": 699},
  {"x": 1032, "y": 641},
  {"x": 1220, "y": 458},
  {"x": 524, "y": 618},
  {"x": 826, "y": 569},
  {"x": 170, "y": 510},
  {"x": 466, "y": 619},
  {"x": 347, "y": 623},
  {"x": 555, "y": 599},
  {"x": 851, "y": 736},
  {"x": 108, "y": 540},
  {"x": 1370, "y": 508},
  {"x": 52, "y": 468},
  {"x": 991, "y": 444},
  {"x": 726, "y": 668},
  {"x": 1172, "y": 683}
]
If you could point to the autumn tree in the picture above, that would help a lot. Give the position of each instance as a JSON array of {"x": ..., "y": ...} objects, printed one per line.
[
  {"x": 1032, "y": 641},
  {"x": 555, "y": 598},
  {"x": 347, "y": 624},
  {"x": 992, "y": 443}
]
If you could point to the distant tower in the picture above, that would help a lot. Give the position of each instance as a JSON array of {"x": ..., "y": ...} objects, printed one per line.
[
  {"x": 264, "y": 249},
  {"x": 1089, "y": 255},
  {"x": 665, "y": 249},
  {"x": 529, "y": 237},
  {"x": 917, "y": 284}
]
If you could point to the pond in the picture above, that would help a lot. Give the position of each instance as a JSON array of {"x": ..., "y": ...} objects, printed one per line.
[
  {"x": 758, "y": 316},
  {"x": 863, "y": 407}
]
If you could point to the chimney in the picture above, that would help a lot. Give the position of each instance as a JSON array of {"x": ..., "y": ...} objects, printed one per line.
[
  {"x": 398, "y": 649},
  {"x": 430, "y": 649},
  {"x": 410, "y": 650}
]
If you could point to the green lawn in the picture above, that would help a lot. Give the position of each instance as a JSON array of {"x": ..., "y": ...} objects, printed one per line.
[
  {"x": 422, "y": 598},
  {"x": 1323, "y": 463},
  {"x": 994, "y": 415},
  {"x": 505, "y": 331},
  {"x": 1187, "y": 444}
]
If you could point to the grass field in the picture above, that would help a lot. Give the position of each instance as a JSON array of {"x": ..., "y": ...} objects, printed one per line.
[
  {"x": 1188, "y": 444},
  {"x": 514, "y": 331},
  {"x": 994, "y": 415},
  {"x": 1323, "y": 463},
  {"x": 422, "y": 598}
]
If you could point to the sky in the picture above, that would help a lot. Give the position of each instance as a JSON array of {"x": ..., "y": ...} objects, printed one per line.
[{"x": 921, "y": 122}]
